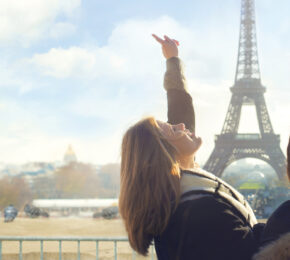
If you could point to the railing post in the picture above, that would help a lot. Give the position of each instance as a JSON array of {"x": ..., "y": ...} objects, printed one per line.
[
  {"x": 59, "y": 240},
  {"x": 20, "y": 249},
  {"x": 97, "y": 250},
  {"x": 79, "y": 250},
  {"x": 41, "y": 249},
  {"x": 134, "y": 255},
  {"x": 115, "y": 249},
  {"x": 59, "y": 250}
]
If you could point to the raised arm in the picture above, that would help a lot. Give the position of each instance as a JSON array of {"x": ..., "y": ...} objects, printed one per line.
[
  {"x": 180, "y": 107},
  {"x": 179, "y": 102}
]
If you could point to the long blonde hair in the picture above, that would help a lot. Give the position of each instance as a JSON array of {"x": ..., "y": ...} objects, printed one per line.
[{"x": 150, "y": 183}]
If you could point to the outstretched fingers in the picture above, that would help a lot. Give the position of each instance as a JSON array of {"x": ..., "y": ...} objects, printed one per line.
[
  {"x": 171, "y": 40},
  {"x": 161, "y": 41},
  {"x": 169, "y": 46},
  {"x": 176, "y": 42},
  {"x": 158, "y": 39}
]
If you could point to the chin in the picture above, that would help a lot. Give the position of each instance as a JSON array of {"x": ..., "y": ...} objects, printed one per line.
[{"x": 200, "y": 142}]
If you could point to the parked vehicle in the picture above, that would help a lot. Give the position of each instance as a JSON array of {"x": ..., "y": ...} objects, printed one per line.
[{"x": 10, "y": 213}]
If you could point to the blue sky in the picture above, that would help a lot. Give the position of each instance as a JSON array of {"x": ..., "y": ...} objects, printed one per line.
[{"x": 80, "y": 72}]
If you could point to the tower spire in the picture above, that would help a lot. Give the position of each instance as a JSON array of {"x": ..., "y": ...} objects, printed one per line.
[{"x": 248, "y": 63}]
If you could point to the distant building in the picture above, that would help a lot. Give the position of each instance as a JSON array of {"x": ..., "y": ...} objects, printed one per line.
[
  {"x": 32, "y": 169},
  {"x": 69, "y": 155},
  {"x": 74, "y": 207}
]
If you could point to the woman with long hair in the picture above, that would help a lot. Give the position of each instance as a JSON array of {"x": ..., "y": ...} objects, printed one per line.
[{"x": 166, "y": 197}]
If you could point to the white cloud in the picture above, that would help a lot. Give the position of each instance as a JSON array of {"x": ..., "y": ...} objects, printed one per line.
[
  {"x": 63, "y": 63},
  {"x": 132, "y": 54},
  {"x": 131, "y": 51},
  {"x": 77, "y": 62},
  {"x": 62, "y": 29},
  {"x": 28, "y": 20},
  {"x": 17, "y": 76}
]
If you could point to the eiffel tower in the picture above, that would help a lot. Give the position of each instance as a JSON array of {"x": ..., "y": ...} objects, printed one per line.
[{"x": 247, "y": 90}]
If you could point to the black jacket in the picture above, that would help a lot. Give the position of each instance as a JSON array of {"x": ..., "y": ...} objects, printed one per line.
[
  {"x": 206, "y": 228},
  {"x": 275, "y": 238}
]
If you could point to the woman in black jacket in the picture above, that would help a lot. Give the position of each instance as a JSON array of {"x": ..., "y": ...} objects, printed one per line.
[
  {"x": 166, "y": 197},
  {"x": 275, "y": 238}
]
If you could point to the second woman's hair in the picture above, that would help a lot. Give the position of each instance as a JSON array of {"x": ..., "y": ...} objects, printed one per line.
[
  {"x": 288, "y": 159},
  {"x": 150, "y": 186}
]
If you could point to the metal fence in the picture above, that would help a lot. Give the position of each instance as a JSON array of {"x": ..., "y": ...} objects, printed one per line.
[{"x": 21, "y": 240}]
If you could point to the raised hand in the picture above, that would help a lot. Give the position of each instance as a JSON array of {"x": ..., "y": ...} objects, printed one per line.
[{"x": 169, "y": 46}]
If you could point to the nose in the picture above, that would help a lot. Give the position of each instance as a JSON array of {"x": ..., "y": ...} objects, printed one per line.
[{"x": 180, "y": 126}]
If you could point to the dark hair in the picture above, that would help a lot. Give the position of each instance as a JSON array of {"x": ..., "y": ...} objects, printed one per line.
[{"x": 288, "y": 159}]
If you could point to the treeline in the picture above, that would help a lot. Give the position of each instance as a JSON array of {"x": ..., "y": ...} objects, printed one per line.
[
  {"x": 14, "y": 190},
  {"x": 73, "y": 181}
]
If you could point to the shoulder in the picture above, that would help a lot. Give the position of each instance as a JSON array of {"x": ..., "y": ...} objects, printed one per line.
[
  {"x": 276, "y": 235},
  {"x": 209, "y": 204},
  {"x": 207, "y": 209},
  {"x": 278, "y": 249},
  {"x": 199, "y": 216},
  {"x": 203, "y": 226},
  {"x": 200, "y": 181}
]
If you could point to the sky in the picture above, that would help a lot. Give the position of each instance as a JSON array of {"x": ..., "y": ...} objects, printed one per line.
[{"x": 81, "y": 72}]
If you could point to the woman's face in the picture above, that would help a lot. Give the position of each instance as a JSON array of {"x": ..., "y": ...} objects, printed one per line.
[{"x": 185, "y": 142}]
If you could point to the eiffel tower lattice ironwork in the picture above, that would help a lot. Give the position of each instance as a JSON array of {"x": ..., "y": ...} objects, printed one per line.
[{"x": 247, "y": 90}]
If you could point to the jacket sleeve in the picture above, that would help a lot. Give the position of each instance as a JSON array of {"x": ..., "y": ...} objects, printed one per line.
[
  {"x": 209, "y": 229},
  {"x": 180, "y": 107}
]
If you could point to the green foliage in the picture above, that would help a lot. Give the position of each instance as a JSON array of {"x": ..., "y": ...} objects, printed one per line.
[{"x": 251, "y": 186}]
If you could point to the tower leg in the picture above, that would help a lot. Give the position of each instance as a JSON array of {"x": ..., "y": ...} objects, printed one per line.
[{"x": 218, "y": 160}]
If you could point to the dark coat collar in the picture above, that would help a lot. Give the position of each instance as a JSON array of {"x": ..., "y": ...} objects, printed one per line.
[{"x": 276, "y": 250}]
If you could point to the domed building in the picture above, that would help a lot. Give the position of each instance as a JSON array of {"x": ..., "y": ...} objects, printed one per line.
[{"x": 69, "y": 156}]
